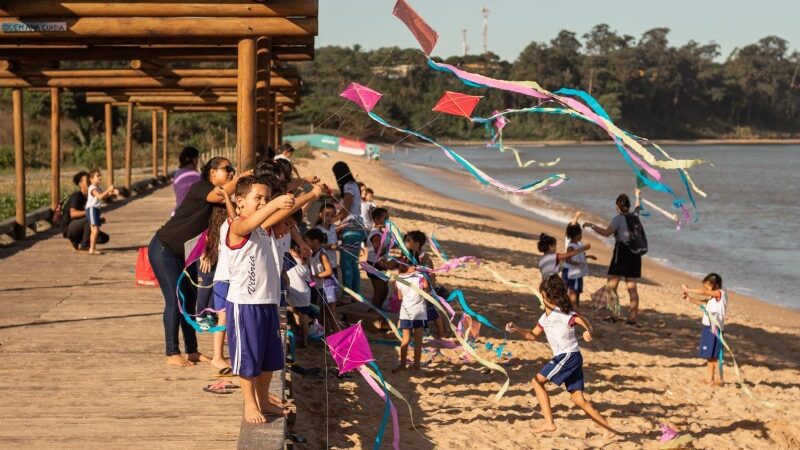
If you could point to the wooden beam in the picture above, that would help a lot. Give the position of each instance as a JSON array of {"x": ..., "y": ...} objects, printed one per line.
[
  {"x": 196, "y": 8},
  {"x": 19, "y": 164},
  {"x": 165, "y": 140},
  {"x": 246, "y": 117},
  {"x": 136, "y": 82},
  {"x": 263, "y": 63},
  {"x": 154, "y": 142},
  {"x": 55, "y": 149},
  {"x": 209, "y": 108},
  {"x": 162, "y": 99},
  {"x": 109, "y": 145},
  {"x": 102, "y": 27},
  {"x": 125, "y": 51},
  {"x": 128, "y": 147},
  {"x": 142, "y": 40}
]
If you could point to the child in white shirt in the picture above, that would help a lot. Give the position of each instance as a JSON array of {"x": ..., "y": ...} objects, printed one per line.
[
  {"x": 575, "y": 267},
  {"x": 93, "y": 199},
  {"x": 714, "y": 302},
  {"x": 558, "y": 325},
  {"x": 413, "y": 312}
]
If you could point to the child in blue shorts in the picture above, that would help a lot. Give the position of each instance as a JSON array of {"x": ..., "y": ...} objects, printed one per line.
[
  {"x": 558, "y": 325},
  {"x": 575, "y": 267},
  {"x": 714, "y": 302},
  {"x": 413, "y": 313}
]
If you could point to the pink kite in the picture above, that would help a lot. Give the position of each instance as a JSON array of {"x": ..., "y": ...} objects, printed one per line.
[
  {"x": 501, "y": 120},
  {"x": 426, "y": 36},
  {"x": 457, "y": 104},
  {"x": 361, "y": 96},
  {"x": 349, "y": 348}
]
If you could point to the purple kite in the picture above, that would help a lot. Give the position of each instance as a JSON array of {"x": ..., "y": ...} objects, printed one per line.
[{"x": 361, "y": 95}]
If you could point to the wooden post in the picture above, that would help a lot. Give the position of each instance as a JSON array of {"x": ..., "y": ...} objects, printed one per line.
[
  {"x": 55, "y": 149},
  {"x": 19, "y": 164},
  {"x": 246, "y": 119},
  {"x": 154, "y": 143},
  {"x": 128, "y": 147},
  {"x": 263, "y": 62},
  {"x": 226, "y": 137},
  {"x": 165, "y": 139},
  {"x": 109, "y": 146},
  {"x": 274, "y": 132},
  {"x": 279, "y": 109}
]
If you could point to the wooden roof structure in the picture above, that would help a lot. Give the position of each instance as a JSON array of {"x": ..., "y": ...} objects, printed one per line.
[{"x": 183, "y": 56}]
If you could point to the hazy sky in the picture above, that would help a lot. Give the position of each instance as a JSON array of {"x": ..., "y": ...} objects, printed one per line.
[{"x": 515, "y": 23}]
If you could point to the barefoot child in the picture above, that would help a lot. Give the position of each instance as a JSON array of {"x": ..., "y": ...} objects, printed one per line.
[
  {"x": 324, "y": 282},
  {"x": 325, "y": 223},
  {"x": 715, "y": 301},
  {"x": 93, "y": 199},
  {"x": 253, "y": 323},
  {"x": 550, "y": 263},
  {"x": 576, "y": 267},
  {"x": 298, "y": 294},
  {"x": 558, "y": 325},
  {"x": 415, "y": 240},
  {"x": 413, "y": 315}
]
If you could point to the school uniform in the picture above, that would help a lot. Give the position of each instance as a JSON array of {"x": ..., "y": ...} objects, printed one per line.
[
  {"x": 93, "y": 206},
  {"x": 298, "y": 294},
  {"x": 710, "y": 345},
  {"x": 566, "y": 367},
  {"x": 372, "y": 256},
  {"x": 327, "y": 285},
  {"x": 573, "y": 274},
  {"x": 549, "y": 264},
  {"x": 219, "y": 292},
  {"x": 253, "y": 322},
  {"x": 331, "y": 238},
  {"x": 413, "y": 313}
]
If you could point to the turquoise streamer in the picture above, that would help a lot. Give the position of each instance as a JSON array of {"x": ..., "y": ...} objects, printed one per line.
[
  {"x": 292, "y": 344},
  {"x": 457, "y": 294},
  {"x": 386, "y": 409},
  {"x": 186, "y": 316}
]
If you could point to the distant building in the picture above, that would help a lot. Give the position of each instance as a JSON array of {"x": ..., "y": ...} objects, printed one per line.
[{"x": 393, "y": 72}]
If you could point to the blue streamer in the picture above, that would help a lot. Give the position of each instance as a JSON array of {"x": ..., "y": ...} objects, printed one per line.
[
  {"x": 186, "y": 316},
  {"x": 292, "y": 343},
  {"x": 386, "y": 409},
  {"x": 457, "y": 294}
]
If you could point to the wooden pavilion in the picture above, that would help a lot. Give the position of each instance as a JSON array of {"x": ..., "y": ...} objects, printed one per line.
[{"x": 167, "y": 48}]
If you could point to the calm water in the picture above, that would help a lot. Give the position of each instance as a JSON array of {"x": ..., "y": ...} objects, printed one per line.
[{"x": 749, "y": 227}]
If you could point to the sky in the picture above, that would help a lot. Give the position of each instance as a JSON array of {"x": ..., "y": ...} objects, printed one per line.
[{"x": 513, "y": 24}]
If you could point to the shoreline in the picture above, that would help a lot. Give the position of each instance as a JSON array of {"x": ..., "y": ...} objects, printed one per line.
[
  {"x": 639, "y": 376},
  {"x": 570, "y": 142}
]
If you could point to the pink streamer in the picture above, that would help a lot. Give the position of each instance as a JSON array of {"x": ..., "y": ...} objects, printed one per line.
[{"x": 379, "y": 390}]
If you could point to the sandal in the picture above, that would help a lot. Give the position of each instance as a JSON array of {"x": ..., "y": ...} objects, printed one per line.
[
  {"x": 214, "y": 389},
  {"x": 225, "y": 372}
]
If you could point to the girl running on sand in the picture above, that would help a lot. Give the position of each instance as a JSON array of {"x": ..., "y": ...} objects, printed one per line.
[{"x": 558, "y": 325}]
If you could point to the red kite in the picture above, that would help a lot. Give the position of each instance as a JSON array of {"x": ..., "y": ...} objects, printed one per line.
[
  {"x": 426, "y": 36},
  {"x": 457, "y": 104}
]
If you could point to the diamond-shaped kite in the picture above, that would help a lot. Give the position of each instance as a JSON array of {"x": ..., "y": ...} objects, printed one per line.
[
  {"x": 500, "y": 122},
  {"x": 349, "y": 348},
  {"x": 457, "y": 104},
  {"x": 361, "y": 96},
  {"x": 425, "y": 35}
]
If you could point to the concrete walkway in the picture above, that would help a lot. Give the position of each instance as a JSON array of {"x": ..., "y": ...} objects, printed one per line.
[{"x": 82, "y": 349}]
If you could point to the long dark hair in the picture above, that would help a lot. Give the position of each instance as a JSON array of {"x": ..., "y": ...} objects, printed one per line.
[
  {"x": 212, "y": 163},
  {"x": 556, "y": 291},
  {"x": 343, "y": 175},
  {"x": 714, "y": 279},
  {"x": 624, "y": 203},
  {"x": 211, "y": 250},
  {"x": 188, "y": 155}
]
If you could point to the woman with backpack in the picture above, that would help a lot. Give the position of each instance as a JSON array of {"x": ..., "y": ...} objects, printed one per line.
[{"x": 629, "y": 246}]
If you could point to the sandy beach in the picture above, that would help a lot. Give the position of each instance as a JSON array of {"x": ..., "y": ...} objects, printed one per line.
[{"x": 638, "y": 377}]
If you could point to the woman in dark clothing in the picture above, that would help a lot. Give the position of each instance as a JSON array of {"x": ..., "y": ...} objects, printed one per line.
[
  {"x": 624, "y": 263},
  {"x": 166, "y": 253}
]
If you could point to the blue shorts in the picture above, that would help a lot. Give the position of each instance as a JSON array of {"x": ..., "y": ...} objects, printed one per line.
[
  {"x": 93, "y": 216},
  {"x": 709, "y": 344},
  {"x": 220, "y": 294},
  {"x": 575, "y": 284},
  {"x": 254, "y": 339},
  {"x": 566, "y": 369},
  {"x": 412, "y": 324}
]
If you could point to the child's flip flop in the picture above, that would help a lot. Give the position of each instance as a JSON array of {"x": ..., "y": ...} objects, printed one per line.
[{"x": 224, "y": 372}]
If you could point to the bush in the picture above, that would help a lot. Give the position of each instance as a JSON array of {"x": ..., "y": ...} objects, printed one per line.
[
  {"x": 6, "y": 156},
  {"x": 92, "y": 155}
]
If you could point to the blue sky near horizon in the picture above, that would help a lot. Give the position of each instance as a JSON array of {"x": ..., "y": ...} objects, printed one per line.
[{"x": 513, "y": 24}]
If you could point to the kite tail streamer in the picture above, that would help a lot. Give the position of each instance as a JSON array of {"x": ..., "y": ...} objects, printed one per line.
[
  {"x": 389, "y": 409},
  {"x": 191, "y": 258},
  {"x": 468, "y": 348},
  {"x": 361, "y": 299},
  {"x": 457, "y": 294},
  {"x": 545, "y": 183}
]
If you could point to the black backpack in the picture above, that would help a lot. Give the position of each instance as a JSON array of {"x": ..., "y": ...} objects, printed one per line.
[{"x": 637, "y": 240}]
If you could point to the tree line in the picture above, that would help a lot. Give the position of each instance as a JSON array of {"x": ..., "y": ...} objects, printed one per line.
[{"x": 647, "y": 86}]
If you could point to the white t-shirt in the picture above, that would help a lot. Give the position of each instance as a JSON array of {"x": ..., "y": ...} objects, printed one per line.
[
  {"x": 330, "y": 234},
  {"x": 355, "y": 208},
  {"x": 283, "y": 244},
  {"x": 412, "y": 306},
  {"x": 717, "y": 307},
  {"x": 298, "y": 294},
  {"x": 559, "y": 328},
  {"x": 91, "y": 200},
  {"x": 576, "y": 270},
  {"x": 281, "y": 156},
  {"x": 254, "y": 274},
  {"x": 549, "y": 265},
  {"x": 366, "y": 214},
  {"x": 371, "y": 255},
  {"x": 222, "y": 272}
]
